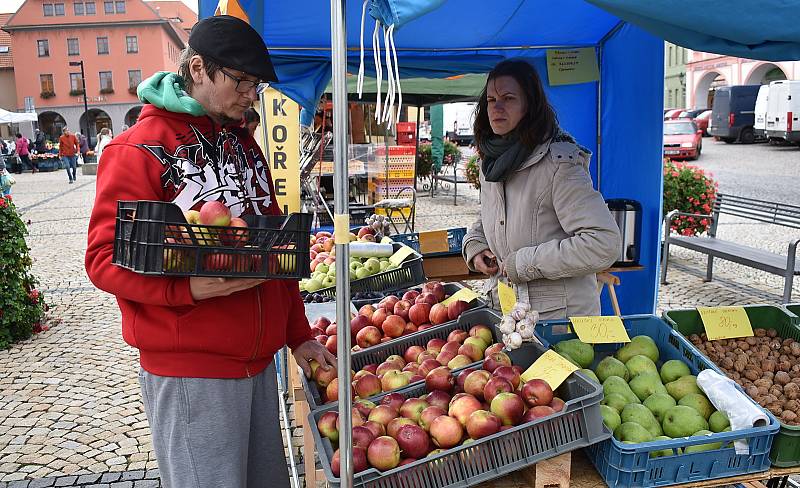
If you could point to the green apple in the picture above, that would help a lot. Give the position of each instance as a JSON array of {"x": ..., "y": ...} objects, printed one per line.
[
  {"x": 354, "y": 265},
  {"x": 385, "y": 265},
  {"x": 322, "y": 268},
  {"x": 373, "y": 265},
  {"x": 328, "y": 281},
  {"x": 313, "y": 285},
  {"x": 353, "y": 275},
  {"x": 362, "y": 272}
]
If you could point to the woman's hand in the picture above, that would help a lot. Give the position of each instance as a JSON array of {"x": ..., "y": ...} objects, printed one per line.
[
  {"x": 203, "y": 288},
  {"x": 486, "y": 263}
]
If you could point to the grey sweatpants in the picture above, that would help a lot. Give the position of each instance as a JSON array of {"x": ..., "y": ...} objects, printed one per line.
[{"x": 216, "y": 433}]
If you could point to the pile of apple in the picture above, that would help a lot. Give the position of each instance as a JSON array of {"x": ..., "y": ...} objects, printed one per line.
[
  {"x": 454, "y": 411},
  {"x": 461, "y": 349}
]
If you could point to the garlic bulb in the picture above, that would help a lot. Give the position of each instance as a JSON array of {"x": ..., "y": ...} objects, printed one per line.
[
  {"x": 525, "y": 330},
  {"x": 514, "y": 340},
  {"x": 507, "y": 325},
  {"x": 519, "y": 311}
]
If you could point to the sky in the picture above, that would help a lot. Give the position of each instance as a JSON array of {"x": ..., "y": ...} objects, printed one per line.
[{"x": 13, "y": 5}]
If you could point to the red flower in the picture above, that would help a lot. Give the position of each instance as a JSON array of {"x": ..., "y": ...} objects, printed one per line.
[{"x": 34, "y": 295}]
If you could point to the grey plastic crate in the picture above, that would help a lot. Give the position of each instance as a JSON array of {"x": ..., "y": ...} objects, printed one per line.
[
  {"x": 449, "y": 289},
  {"x": 578, "y": 425},
  {"x": 377, "y": 354}
]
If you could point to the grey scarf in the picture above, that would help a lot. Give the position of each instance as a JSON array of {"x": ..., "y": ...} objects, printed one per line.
[{"x": 502, "y": 156}]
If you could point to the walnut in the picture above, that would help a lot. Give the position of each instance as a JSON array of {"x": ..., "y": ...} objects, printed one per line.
[
  {"x": 792, "y": 405},
  {"x": 763, "y": 390},
  {"x": 795, "y": 349},
  {"x": 760, "y": 332},
  {"x": 788, "y": 416},
  {"x": 743, "y": 346},
  {"x": 703, "y": 337},
  {"x": 763, "y": 348},
  {"x": 785, "y": 349},
  {"x": 775, "y": 344},
  {"x": 787, "y": 341},
  {"x": 772, "y": 333},
  {"x": 775, "y": 407},
  {"x": 768, "y": 375},
  {"x": 783, "y": 357},
  {"x": 776, "y": 391},
  {"x": 739, "y": 366},
  {"x": 752, "y": 391},
  {"x": 727, "y": 364},
  {"x": 694, "y": 338},
  {"x": 751, "y": 341},
  {"x": 751, "y": 374},
  {"x": 763, "y": 382},
  {"x": 782, "y": 378},
  {"x": 792, "y": 391},
  {"x": 796, "y": 368},
  {"x": 785, "y": 366},
  {"x": 768, "y": 365}
]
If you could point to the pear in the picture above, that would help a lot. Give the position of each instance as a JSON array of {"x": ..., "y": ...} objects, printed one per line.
[
  {"x": 645, "y": 384},
  {"x": 699, "y": 402},
  {"x": 643, "y": 345},
  {"x": 683, "y": 386},
  {"x": 662, "y": 452},
  {"x": 610, "y": 417},
  {"x": 580, "y": 351},
  {"x": 615, "y": 384},
  {"x": 674, "y": 369},
  {"x": 632, "y": 433},
  {"x": 635, "y": 412},
  {"x": 682, "y": 421},
  {"x": 702, "y": 447},
  {"x": 590, "y": 374},
  {"x": 570, "y": 359},
  {"x": 611, "y": 366},
  {"x": 640, "y": 364},
  {"x": 659, "y": 403},
  {"x": 615, "y": 401},
  {"x": 718, "y": 422}
]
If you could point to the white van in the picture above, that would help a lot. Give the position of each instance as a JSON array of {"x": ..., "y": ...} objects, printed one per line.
[
  {"x": 760, "y": 124},
  {"x": 783, "y": 111}
]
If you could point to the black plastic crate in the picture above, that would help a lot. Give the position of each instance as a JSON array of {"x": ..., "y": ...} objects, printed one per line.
[
  {"x": 578, "y": 425},
  {"x": 153, "y": 238},
  {"x": 377, "y": 354}
]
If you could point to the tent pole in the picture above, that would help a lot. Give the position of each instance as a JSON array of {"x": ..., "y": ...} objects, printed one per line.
[
  {"x": 342, "y": 236},
  {"x": 599, "y": 115}
]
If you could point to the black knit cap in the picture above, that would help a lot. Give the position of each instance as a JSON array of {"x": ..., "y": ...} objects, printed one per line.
[{"x": 233, "y": 43}]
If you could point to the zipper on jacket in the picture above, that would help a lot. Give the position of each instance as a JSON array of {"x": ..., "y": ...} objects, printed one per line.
[{"x": 260, "y": 331}]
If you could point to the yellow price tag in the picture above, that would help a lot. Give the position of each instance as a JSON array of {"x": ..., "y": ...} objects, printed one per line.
[
  {"x": 386, "y": 240},
  {"x": 725, "y": 322},
  {"x": 433, "y": 241},
  {"x": 507, "y": 297},
  {"x": 465, "y": 294},
  {"x": 401, "y": 255},
  {"x": 550, "y": 367},
  {"x": 600, "y": 330}
]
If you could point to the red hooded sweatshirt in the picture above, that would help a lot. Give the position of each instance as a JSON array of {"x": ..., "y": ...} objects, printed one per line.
[{"x": 180, "y": 158}]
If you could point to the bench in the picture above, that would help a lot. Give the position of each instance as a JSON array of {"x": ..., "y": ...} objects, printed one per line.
[
  {"x": 442, "y": 176},
  {"x": 759, "y": 210}
]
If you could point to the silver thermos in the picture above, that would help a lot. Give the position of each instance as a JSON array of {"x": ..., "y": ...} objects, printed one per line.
[{"x": 628, "y": 215}]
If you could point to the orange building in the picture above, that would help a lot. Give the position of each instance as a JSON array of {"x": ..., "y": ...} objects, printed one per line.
[{"x": 119, "y": 42}]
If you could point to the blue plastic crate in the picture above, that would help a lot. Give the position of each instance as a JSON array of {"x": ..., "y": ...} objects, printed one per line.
[
  {"x": 454, "y": 238},
  {"x": 630, "y": 465}
]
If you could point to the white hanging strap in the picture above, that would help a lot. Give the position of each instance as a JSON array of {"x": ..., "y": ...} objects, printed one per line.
[
  {"x": 360, "y": 85},
  {"x": 387, "y": 106},
  {"x": 397, "y": 74},
  {"x": 376, "y": 56}
]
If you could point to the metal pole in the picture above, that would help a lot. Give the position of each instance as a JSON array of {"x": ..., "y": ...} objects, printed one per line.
[
  {"x": 85, "y": 104},
  {"x": 342, "y": 238}
]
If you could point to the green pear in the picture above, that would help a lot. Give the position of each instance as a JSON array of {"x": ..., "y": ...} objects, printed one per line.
[
  {"x": 635, "y": 412},
  {"x": 645, "y": 384},
  {"x": 702, "y": 447},
  {"x": 611, "y": 366},
  {"x": 615, "y": 384},
  {"x": 659, "y": 403},
  {"x": 632, "y": 433},
  {"x": 615, "y": 401},
  {"x": 570, "y": 359},
  {"x": 718, "y": 422},
  {"x": 699, "y": 402},
  {"x": 313, "y": 285},
  {"x": 683, "y": 386},
  {"x": 662, "y": 452},
  {"x": 643, "y": 345},
  {"x": 610, "y": 417},
  {"x": 640, "y": 364},
  {"x": 682, "y": 421},
  {"x": 590, "y": 374},
  {"x": 673, "y": 369},
  {"x": 580, "y": 351}
]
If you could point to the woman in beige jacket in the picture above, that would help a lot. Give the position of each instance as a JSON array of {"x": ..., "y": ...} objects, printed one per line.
[{"x": 542, "y": 224}]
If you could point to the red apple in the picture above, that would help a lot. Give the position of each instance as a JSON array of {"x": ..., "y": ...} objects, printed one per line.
[
  {"x": 379, "y": 316},
  {"x": 518, "y": 369},
  {"x": 462, "y": 377},
  {"x": 367, "y": 310},
  {"x": 387, "y": 366},
  {"x": 358, "y": 323},
  {"x": 322, "y": 322},
  {"x": 412, "y": 353},
  {"x": 435, "y": 288},
  {"x": 394, "y": 425},
  {"x": 478, "y": 343},
  {"x": 438, "y": 314},
  {"x": 364, "y": 231},
  {"x": 368, "y": 385},
  {"x": 394, "y": 400},
  {"x": 215, "y": 213},
  {"x": 445, "y": 357},
  {"x": 427, "y": 366},
  {"x": 424, "y": 356},
  {"x": 401, "y": 308},
  {"x": 412, "y": 408},
  {"x": 236, "y": 236},
  {"x": 410, "y": 328},
  {"x": 419, "y": 313},
  {"x": 440, "y": 378},
  {"x": 332, "y": 391},
  {"x": 428, "y": 298},
  {"x": 359, "y": 461},
  {"x": 435, "y": 345},
  {"x": 383, "y": 414},
  {"x": 557, "y": 404},
  {"x": 413, "y": 441},
  {"x": 456, "y": 308},
  {"x": 384, "y": 453},
  {"x": 368, "y": 336},
  {"x": 446, "y": 432},
  {"x": 412, "y": 368},
  {"x": 372, "y": 368},
  {"x": 460, "y": 361},
  {"x": 388, "y": 303},
  {"x": 495, "y": 386},
  {"x": 540, "y": 411},
  {"x": 537, "y": 392},
  {"x": 315, "y": 331},
  {"x": 429, "y": 415},
  {"x": 376, "y": 428},
  {"x": 481, "y": 423},
  {"x": 438, "y": 398},
  {"x": 328, "y": 426},
  {"x": 458, "y": 336},
  {"x": 397, "y": 359},
  {"x": 410, "y": 295},
  {"x": 451, "y": 347},
  {"x": 330, "y": 329},
  {"x": 496, "y": 347},
  {"x": 364, "y": 407},
  {"x": 462, "y": 407},
  {"x": 416, "y": 377},
  {"x": 508, "y": 407},
  {"x": 393, "y": 380},
  {"x": 405, "y": 461},
  {"x": 475, "y": 382},
  {"x": 357, "y": 419},
  {"x": 482, "y": 331},
  {"x": 393, "y": 326},
  {"x": 324, "y": 375},
  {"x": 425, "y": 326},
  {"x": 495, "y": 360},
  {"x": 471, "y": 351},
  {"x": 362, "y": 437},
  {"x": 508, "y": 373}
]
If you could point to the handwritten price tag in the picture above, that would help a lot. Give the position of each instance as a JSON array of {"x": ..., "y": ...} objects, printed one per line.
[
  {"x": 550, "y": 367},
  {"x": 600, "y": 330},
  {"x": 401, "y": 255},
  {"x": 725, "y": 322},
  {"x": 507, "y": 297},
  {"x": 465, "y": 294}
]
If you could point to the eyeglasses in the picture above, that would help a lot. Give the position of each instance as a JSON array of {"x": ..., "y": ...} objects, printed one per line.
[{"x": 244, "y": 85}]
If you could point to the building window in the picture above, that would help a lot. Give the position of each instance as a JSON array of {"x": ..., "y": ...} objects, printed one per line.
[
  {"x": 133, "y": 44},
  {"x": 108, "y": 7},
  {"x": 91, "y": 8},
  {"x": 59, "y": 8},
  {"x": 75, "y": 84},
  {"x": 106, "y": 83},
  {"x": 134, "y": 78},
  {"x": 669, "y": 60},
  {"x": 120, "y": 6},
  {"x": 114, "y": 6},
  {"x": 43, "y": 47},
  {"x": 78, "y": 8},
  {"x": 102, "y": 45},
  {"x": 684, "y": 55},
  {"x": 73, "y": 48},
  {"x": 46, "y": 82},
  {"x": 49, "y": 10},
  {"x": 669, "y": 98}
]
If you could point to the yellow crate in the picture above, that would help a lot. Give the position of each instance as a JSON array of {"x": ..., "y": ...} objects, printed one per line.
[{"x": 397, "y": 219}]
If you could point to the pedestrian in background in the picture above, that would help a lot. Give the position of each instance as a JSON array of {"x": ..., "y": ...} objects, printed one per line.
[
  {"x": 251, "y": 120},
  {"x": 84, "y": 145},
  {"x": 40, "y": 142},
  {"x": 23, "y": 152},
  {"x": 68, "y": 148},
  {"x": 6, "y": 180},
  {"x": 103, "y": 138}
]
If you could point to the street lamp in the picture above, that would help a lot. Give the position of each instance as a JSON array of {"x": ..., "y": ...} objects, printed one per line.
[{"x": 85, "y": 101}]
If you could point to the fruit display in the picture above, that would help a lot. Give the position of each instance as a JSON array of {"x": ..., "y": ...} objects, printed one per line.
[
  {"x": 766, "y": 365},
  {"x": 453, "y": 411}
]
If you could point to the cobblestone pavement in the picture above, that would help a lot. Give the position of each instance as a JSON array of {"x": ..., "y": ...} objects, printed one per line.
[{"x": 70, "y": 410}]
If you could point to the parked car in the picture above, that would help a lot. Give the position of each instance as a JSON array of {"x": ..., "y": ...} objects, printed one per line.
[
  {"x": 702, "y": 121},
  {"x": 760, "y": 124},
  {"x": 673, "y": 114},
  {"x": 783, "y": 111},
  {"x": 682, "y": 139},
  {"x": 734, "y": 113},
  {"x": 691, "y": 114}
]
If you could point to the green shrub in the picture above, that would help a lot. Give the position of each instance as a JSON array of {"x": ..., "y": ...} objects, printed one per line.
[
  {"x": 425, "y": 159},
  {"x": 688, "y": 189},
  {"x": 22, "y": 306},
  {"x": 472, "y": 171}
]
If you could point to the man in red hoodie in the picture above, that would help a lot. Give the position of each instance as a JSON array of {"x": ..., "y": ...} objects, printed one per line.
[{"x": 205, "y": 344}]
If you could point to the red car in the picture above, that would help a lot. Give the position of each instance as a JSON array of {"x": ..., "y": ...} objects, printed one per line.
[
  {"x": 682, "y": 139},
  {"x": 702, "y": 121},
  {"x": 673, "y": 113}
]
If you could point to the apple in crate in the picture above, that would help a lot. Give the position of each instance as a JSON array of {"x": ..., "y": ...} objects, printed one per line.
[
  {"x": 462, "y": 407},
  {"x": 495, "y": 360},
  {"x": 419, "y": 313},
  {"x": 455, "y": 309},
  {"x": 412, "y": 353},
  {"x": 508, "y": 407},
  {"x": 557, "y": 404},
  {"x": 429, "y": 415},
  {"x": 393, "y": 380},
  {"x": 402, "y": 308},
  {"x": 324, "y": 375},
  {"x": 396, "y": 424},
  {"x": 446, "y": 432},
  {"x": 428, "y": 298},
  {"x": 383, "y": 414},
  {"x": 237, "y": 235},
  {"x": 482, "y": 424},
  {"x": 440, "y": 378},
  {"x": 508, "y": 373},
  {"x": 368, "y": 337},
  {"x": 393, "y": 326},
  {"x": 482, "y": 331},
  {"x": 413, "y": 441},
  {"x": 394, "y": 400},
  {"x": 328, "y": 426},
  {"x": 412, "y": 408},
  {"x": 537, "y": 392},
  {"x": 435, "y": 288},
  {"x": 359, "y": 461},
  {"x": 495, "y": 386},
  {"x": 368, "y": 385},
  {"x": 215, "y": 213},
  {"x": 438, "y": 314},
  {"x": 475, "y": 382}
]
